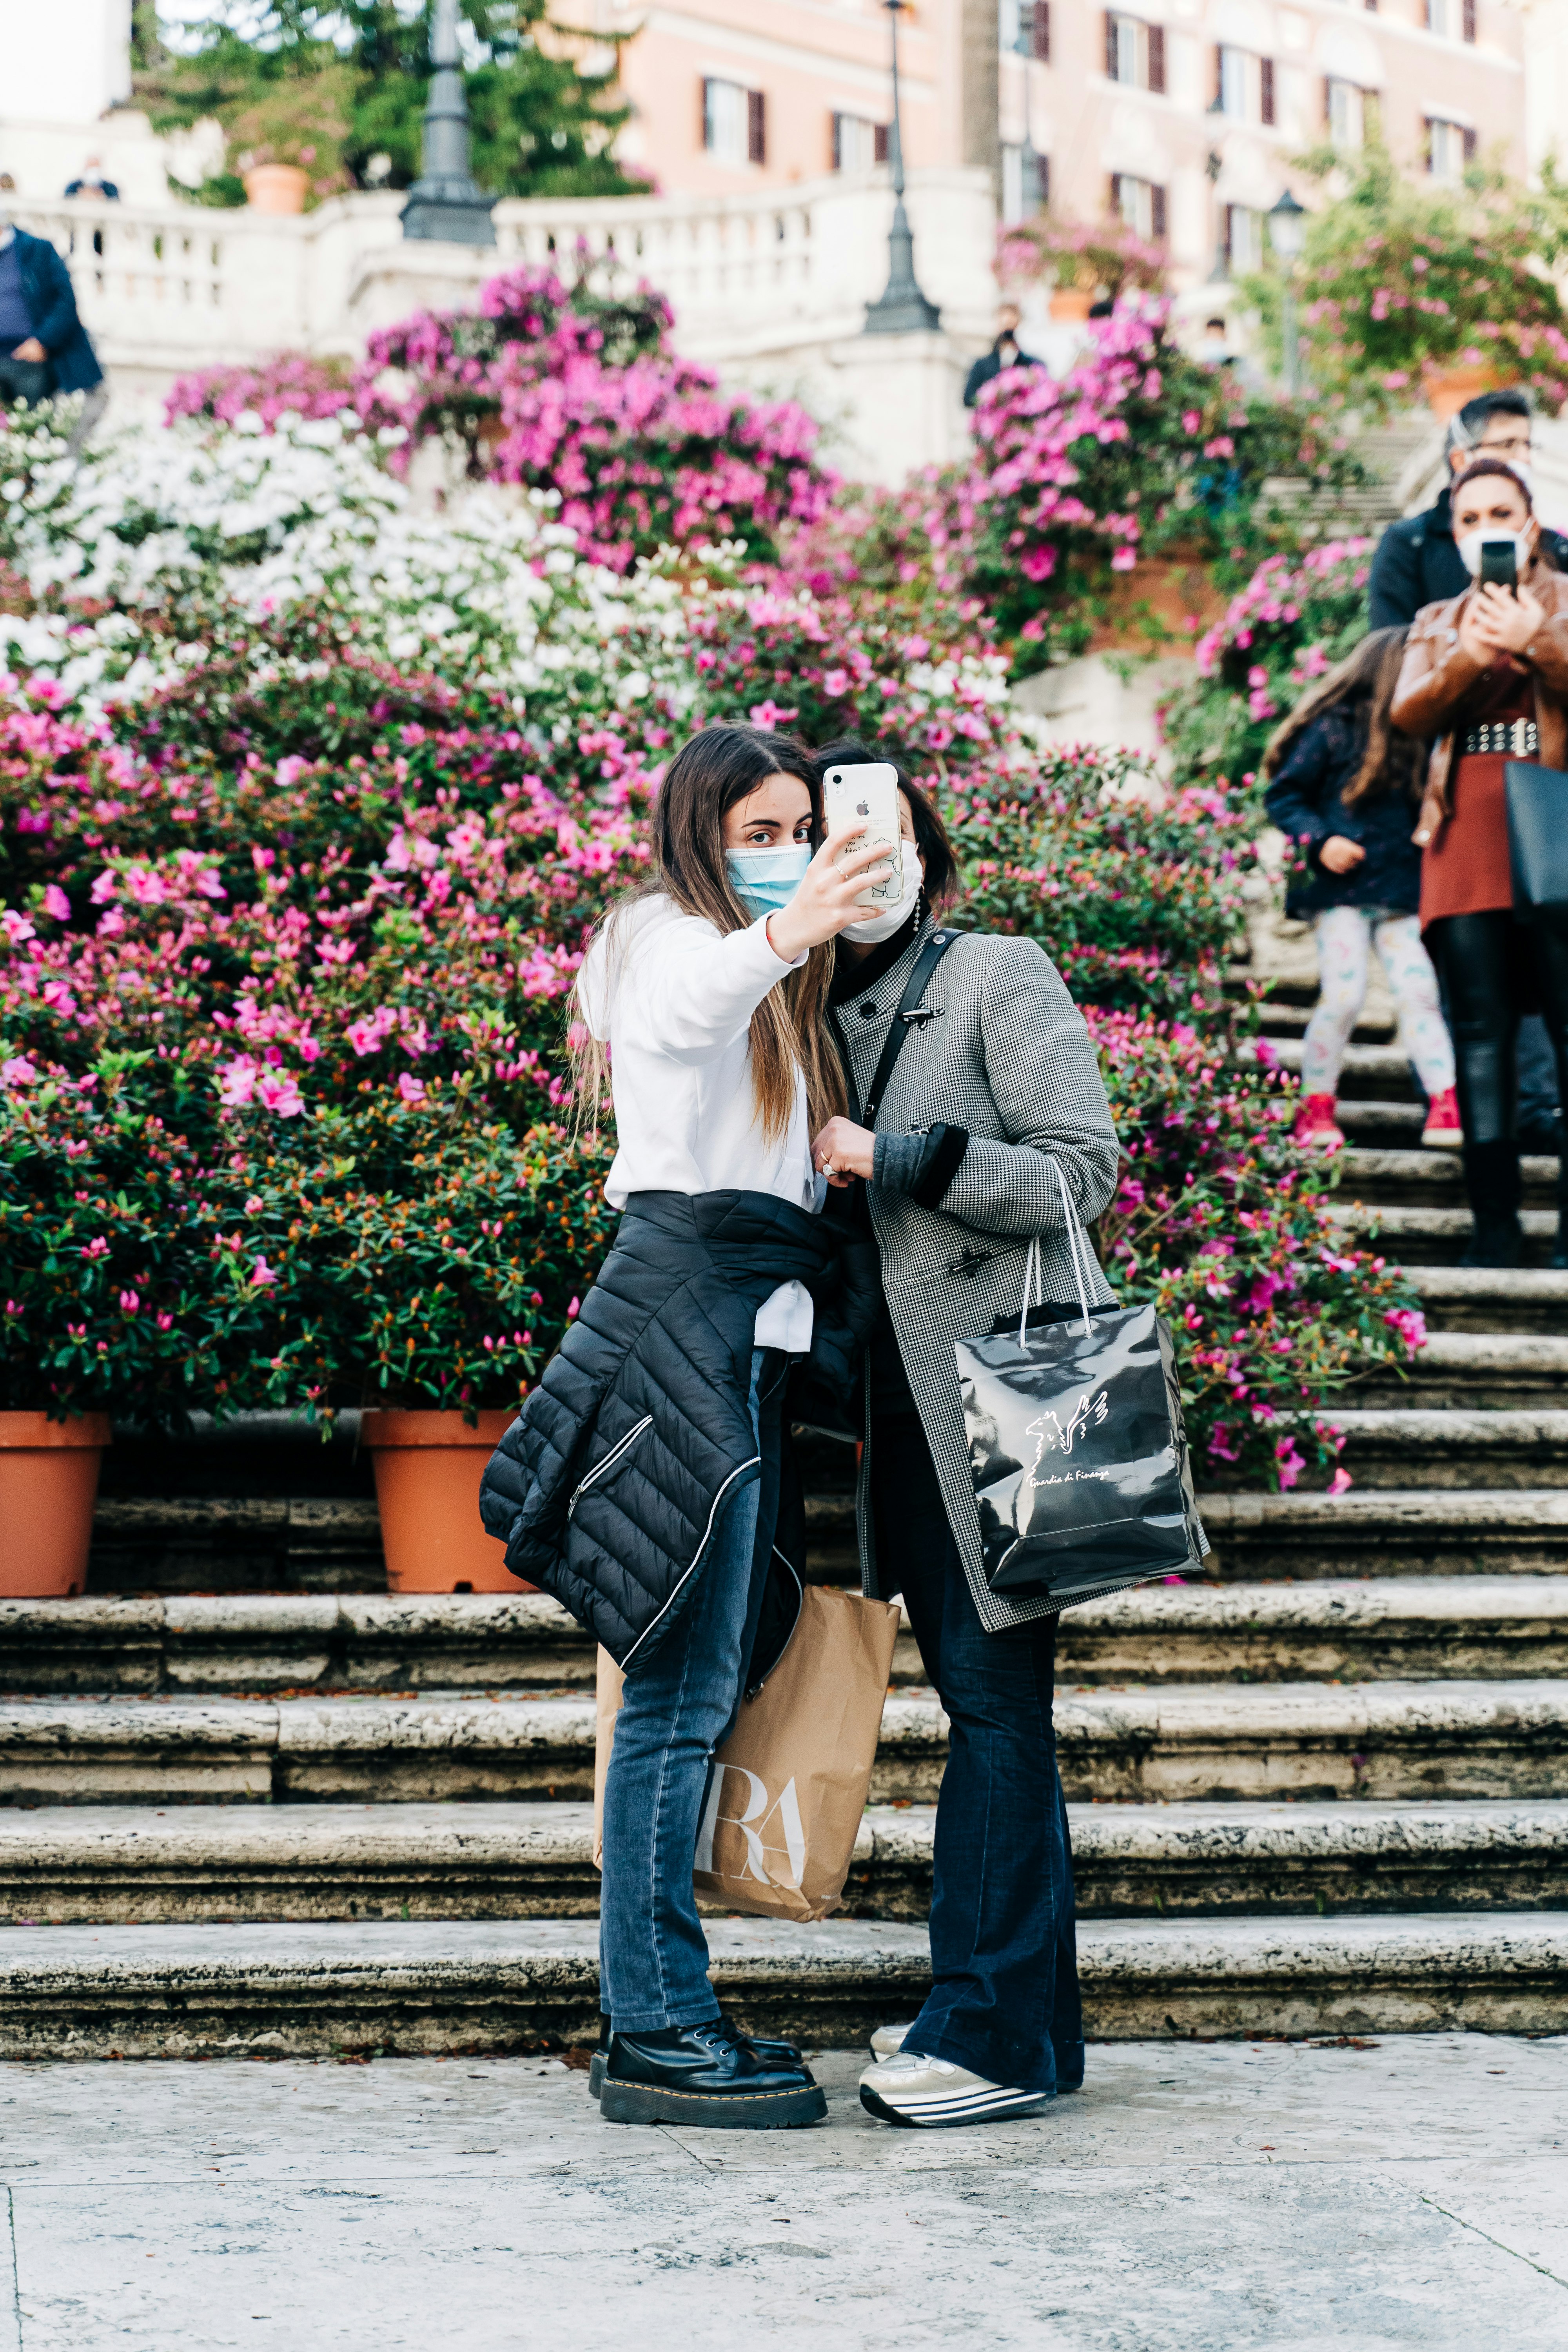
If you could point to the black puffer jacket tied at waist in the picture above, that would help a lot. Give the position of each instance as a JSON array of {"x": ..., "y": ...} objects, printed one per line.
[{"x": 608, "y": 1487}]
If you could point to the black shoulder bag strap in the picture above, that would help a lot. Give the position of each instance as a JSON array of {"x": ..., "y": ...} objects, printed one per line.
[{"x": 910, "y": 1014}]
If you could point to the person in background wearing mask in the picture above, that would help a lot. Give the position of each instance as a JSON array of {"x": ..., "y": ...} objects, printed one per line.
[
  {"x": 1006, "y": 352},
  {"x": 996, "y": 1081},
  {"x": 1486, "y": 674},
  {"x": 93, "y": 184},
  {"x": 43, "y": 347},
  {"x": 1214, "y": 349},
  {"x": 642, "y": 1480},
  {"x": 1416, "y": 563}
]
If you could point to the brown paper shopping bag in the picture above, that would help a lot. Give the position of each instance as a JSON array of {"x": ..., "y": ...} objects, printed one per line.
[{"x": 790, "y": 1783}]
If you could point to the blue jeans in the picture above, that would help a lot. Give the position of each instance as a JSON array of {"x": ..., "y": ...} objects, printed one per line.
[
  {"x": 1004, "y": 1995},
  {"x": 653, "y": 1955}
]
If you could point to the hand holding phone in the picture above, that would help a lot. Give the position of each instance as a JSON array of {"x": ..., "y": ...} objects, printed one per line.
[
  {"x": 864, "y": 797},
  {"x": 1500, "y": 564}
]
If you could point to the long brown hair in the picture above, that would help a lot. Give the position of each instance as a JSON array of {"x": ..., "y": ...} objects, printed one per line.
[
  {"x": 1391, "y": 763},
  {"x": 789, "y": 1033}
]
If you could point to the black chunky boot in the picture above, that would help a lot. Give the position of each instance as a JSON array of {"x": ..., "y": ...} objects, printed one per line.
[
  {"x": 771, "y": 2052},
  {"x": 1491, "y": 1179},
  {"x": 704, "y": 2074}
]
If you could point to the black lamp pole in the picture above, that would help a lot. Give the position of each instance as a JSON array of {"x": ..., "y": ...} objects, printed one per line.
[
  {"x": 903, "y": 309},
  {"x": 446, "y": 201}
]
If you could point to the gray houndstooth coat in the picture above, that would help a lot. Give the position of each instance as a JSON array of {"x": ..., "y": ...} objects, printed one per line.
[{"x": 1007, "y": 1057}]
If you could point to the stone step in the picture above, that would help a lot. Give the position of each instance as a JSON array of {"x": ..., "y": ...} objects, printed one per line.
[
  {"x": 279, "y": 1642},
  {"x": 1474, "y": 1371},
  {"x": 287, "y": 1644},
  {"x": 216, "y": 1543},
  {"x": 1388, "y": 1740},
  {"x": 1396, "y": 1532},
  {"x": 128, "y": 1865},
  {"x": 1369, "y": 1073},
  {"x": 1278, "y": 1020},
  {"x": 1423, "y": 1236},
  {"x": 1484, "y": 1298},
  {"x": 413, "y": 1988},
  {"x": 1402, "y": 1445},
  {"x": 1411, "y": 1180},
  {"x": 1383, "y": 1126}
]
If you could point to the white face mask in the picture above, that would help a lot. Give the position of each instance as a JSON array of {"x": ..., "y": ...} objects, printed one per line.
[
  {"x": 882, "y": 926},
  {"x": 1473, "y": 541}
]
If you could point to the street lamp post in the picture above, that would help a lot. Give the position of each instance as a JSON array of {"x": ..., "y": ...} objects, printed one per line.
[
  {"x": 903, "y": 309},
  {"x": 1287, "y": 235},
  {"x": 446, "y": 201}
]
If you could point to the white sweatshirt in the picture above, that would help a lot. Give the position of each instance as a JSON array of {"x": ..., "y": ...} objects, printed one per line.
[{"x": 673, "y": 998}]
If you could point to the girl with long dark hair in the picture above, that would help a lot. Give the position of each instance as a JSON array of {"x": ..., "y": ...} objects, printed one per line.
[{"x": 1346, "y": 786}]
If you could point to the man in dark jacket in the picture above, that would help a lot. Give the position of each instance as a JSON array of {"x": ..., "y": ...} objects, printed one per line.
[
  {"x": 1006, "y": 352},
  {"x": 1417, "y": 564},
  {"x": 39, "y": 326}
]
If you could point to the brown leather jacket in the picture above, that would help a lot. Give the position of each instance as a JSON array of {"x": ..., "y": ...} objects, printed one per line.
[{"x": 1437, "y": 674}]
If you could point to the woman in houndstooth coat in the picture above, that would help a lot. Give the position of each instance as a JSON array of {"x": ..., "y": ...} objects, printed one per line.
[{"x": 996, "y": 1078}]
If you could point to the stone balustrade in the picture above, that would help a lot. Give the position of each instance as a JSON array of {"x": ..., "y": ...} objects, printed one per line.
[{"x": 770, "y": 288}]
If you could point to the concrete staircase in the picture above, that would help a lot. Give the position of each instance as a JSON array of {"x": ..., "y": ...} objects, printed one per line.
[{"x": 248, "y": 1802}]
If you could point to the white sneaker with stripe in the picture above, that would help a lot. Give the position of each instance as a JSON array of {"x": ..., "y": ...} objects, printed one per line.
[
  {"x": 887, "y": 2041},
  {"x": 912, "y": 2089}
]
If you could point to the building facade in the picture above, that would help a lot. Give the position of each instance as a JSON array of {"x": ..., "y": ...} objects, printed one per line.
[{"x": 1181, "y": 115}]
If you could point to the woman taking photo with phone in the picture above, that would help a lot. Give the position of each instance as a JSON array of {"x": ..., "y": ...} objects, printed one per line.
[
  {"x": 947, "y": 1159},
  {"x": 641, "y": 1483},
  {"x": 1486, "y": 674}
]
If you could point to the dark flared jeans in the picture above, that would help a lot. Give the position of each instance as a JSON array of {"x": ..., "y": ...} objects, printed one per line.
[{"x": 1005, "y": 1996}]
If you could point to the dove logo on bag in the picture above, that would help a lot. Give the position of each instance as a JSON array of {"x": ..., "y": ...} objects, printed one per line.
[
  {"x": 751, "y": 1822},
  {"x": 1050, "y": 1431}
]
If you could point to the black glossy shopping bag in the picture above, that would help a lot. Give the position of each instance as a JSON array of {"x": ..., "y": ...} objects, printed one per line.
[{"x": 1081, "y": 1473}]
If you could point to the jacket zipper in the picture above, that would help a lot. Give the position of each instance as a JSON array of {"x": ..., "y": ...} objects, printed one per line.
[
  {"x": 612, "y": 1458},
  {"x": 737, "y": 1473}
]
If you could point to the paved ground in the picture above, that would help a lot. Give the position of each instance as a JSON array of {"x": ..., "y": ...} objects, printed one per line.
[{"x": 1192, "y": 2198}]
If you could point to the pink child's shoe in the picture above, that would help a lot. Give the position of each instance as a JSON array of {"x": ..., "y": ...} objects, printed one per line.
[
  {"x": 1443, "y": 1130},
  {"x": 1316, "y": 1124}
]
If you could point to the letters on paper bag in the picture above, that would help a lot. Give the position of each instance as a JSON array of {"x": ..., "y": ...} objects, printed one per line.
[{"x": 788, "y": 1788}]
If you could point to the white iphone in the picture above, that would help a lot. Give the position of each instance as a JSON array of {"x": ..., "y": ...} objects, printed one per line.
[{"x": 868, "y": 795}]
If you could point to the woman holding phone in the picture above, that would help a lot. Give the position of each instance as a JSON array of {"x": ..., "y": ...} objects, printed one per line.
[
  {"x": 1486, "y": 675},
  {"x": 949, "y": 1165},
  {"x": 640, "y": 1483}
]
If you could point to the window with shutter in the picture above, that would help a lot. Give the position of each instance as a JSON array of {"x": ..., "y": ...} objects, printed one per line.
[
  {"x": 1469, "y": 146},
  {"x": 1157, "y": 211},
  {"x": 1266, "y": 90},
  {"x": 1040, "y": 31},
  {"x": 837, "y": 122},
  {"x": 1469, "y": 20},
  {"x": 1157, "y": 57},
  {"x": 879, "y": 142},
  {"x": 756, "y": 127}
]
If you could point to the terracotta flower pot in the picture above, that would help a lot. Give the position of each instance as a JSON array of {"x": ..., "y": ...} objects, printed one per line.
[
  {"x": 277, "y": 188},
  {"x": 1447, "y": 393},
  {"x": 428, "y": 1471},
  {"x": 48, "y": 1485},
  {"x": 1070, "y": 303}
]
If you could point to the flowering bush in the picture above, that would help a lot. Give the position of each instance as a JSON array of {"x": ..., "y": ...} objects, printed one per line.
[
  {"x": 1138, "y": 452},
  {"x": 1291, "y": 622},
  {"x": 287, "y": 920},
  {"x": 1087, "y": 256},
  {"x": 1219, "y": 1222},
  {"x": 295, "y": 384},
  {"x": 1402, "y": 280},
  {"x": 570, "y": 393}
]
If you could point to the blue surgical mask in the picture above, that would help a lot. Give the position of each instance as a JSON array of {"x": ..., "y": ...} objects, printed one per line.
[{"x": 766, "y": 879}]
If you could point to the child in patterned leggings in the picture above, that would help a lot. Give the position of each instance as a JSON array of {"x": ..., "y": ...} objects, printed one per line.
[{"x": 1345, "y": 787}]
